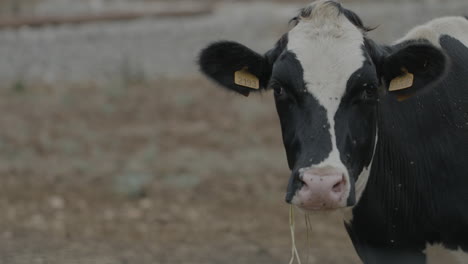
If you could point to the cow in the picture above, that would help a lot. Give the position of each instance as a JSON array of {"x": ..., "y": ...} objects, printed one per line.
[{"x": 380, "y": 131}]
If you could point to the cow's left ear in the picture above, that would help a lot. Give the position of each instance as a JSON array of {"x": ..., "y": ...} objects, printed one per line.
[
  {"x": 412, "y": 68},
  {"x": 235, "y": 67}
]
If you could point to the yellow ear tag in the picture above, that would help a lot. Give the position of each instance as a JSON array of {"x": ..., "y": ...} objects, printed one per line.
[
  {"x": 402, "y": 82},
  {"x": 246, "y": 79}
]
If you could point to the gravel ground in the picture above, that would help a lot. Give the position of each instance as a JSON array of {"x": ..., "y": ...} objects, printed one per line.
[{"x": 147, "y": 49}]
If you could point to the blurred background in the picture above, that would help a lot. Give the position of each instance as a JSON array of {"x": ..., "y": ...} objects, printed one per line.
[{"x": 114, "y": 149}]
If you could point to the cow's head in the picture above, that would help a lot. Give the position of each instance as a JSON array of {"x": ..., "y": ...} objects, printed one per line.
[{"x": 327, "y": 78}]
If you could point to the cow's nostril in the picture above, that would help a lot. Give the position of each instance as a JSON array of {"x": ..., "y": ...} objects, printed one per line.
[
  {"x": 338, "y": 187},
  {"x": 302, "y": 182}
]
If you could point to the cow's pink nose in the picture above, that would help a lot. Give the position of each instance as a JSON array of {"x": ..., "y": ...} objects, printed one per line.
[{"x": 322, "y": 189}]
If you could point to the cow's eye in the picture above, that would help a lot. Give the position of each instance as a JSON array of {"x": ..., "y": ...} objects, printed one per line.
[
  {"x": 369, "y": 93},
  {"x": 279, "y": 91}
]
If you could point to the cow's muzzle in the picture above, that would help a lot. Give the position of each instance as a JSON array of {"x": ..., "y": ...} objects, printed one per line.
[{"x": 318, "y": 189}]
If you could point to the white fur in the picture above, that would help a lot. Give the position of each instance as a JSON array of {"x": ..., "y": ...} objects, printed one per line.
[
  {"x": 456, "y": 27},
  {"x": 364, "y": 176},
  {"x": 437, "y": 253},
  {"x": 329, "y": 49}
]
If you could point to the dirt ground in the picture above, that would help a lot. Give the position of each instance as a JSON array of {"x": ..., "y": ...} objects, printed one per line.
[{"x": 176, "y": 171}]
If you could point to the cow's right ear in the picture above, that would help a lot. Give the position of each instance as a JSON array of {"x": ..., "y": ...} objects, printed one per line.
[{"x": 236, "y": 67}]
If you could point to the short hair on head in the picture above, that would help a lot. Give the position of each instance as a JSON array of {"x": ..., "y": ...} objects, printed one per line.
[{"x": 331, "y": 6}]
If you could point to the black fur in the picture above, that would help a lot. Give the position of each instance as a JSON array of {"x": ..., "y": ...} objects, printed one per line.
[
  {"x": 220, "y": 60},
  {"x": 416, "y": 192}
]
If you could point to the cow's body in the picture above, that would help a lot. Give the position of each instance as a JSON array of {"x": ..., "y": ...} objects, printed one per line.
[
  {"x": 400, "y": 167},
  {"x": 417, "y": 192}
]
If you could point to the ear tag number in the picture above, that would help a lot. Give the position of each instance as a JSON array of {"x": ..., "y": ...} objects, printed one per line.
[
  {"x": 246, "y": 79},
  {"x": 402, "y": 82}
]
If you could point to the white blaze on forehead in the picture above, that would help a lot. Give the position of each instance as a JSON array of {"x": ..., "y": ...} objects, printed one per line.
[{"x": 329, "y": 49}]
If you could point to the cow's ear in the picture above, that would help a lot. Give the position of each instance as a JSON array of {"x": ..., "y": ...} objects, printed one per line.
[
  {"x": 235, "y": 67},
  {"x": 412, "y": 68}
]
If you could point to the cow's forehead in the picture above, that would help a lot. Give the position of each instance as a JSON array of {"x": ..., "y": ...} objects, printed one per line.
[{"x": 329, "y": 50}]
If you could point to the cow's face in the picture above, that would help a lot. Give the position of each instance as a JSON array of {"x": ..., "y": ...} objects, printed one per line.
[
  {"x": 325, "y": 91},
  {"x": 325, "y": 76}
]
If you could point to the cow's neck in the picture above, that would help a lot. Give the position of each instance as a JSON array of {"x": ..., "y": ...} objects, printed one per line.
[{"x": 406, "y": 158}]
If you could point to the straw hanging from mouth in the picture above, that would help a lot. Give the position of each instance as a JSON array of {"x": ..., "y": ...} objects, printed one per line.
[{"x": 294, "y": 253}]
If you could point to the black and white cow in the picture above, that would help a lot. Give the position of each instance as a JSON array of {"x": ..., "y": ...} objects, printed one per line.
[{"x": 382, "y": 130}]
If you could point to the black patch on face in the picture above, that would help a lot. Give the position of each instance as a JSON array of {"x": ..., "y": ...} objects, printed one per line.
[
  {"x": 304, "y": 123},
  {"x": 356, "y": 122}
]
